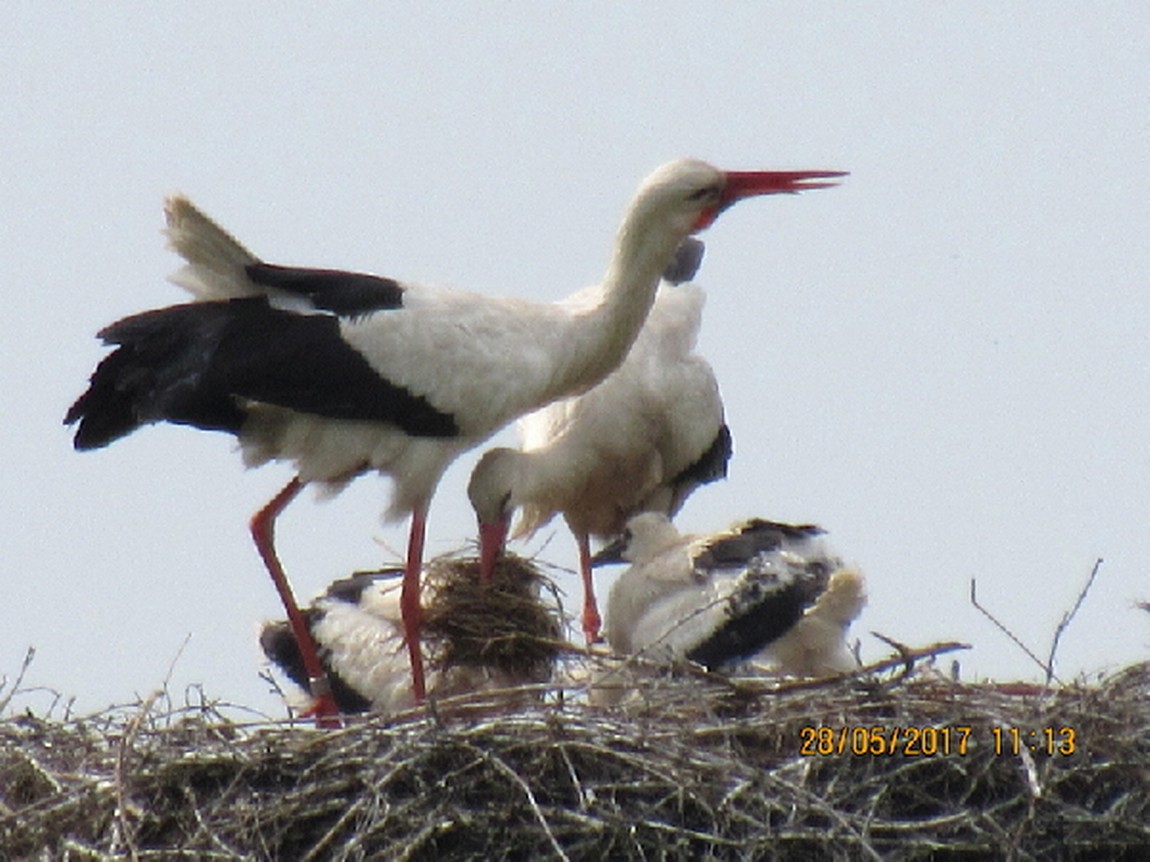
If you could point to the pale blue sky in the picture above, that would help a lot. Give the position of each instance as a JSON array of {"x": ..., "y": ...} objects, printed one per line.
[{"x": 945, "y": 361}]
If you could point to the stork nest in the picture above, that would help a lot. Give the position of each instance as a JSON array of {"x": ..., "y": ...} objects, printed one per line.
[
  {"x": 696, "y": 767},
  {"x": 503, "y": 625}
]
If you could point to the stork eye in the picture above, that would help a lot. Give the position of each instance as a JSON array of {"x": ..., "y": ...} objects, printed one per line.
[{"x": 703, "y": 193}]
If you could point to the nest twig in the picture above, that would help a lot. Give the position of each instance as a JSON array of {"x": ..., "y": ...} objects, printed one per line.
[
  {"x": 813, "y": 772},
  {"x": 503, "y": 625}
]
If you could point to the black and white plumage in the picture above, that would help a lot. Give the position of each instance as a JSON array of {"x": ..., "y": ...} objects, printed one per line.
[
  {"x": 344, "y": 373},
  {"x": 762, "y": 589},
  {"x": 642, "y": 440},
  {"x": 357, "y": 625},
  {"x": 358, "y": 629}
]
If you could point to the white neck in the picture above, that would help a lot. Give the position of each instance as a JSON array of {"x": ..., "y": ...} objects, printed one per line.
[{"x": 600, "y": 337}]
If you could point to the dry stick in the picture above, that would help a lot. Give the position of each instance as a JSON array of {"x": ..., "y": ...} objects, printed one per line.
[
  {"x": 749, "y": 686},
  {"x": 175, "y": 659},
  {"x": 1049, "y": 670},
  {"x": 321, "y": 847},
  {"x": 127, "y": 833},
  {"x": 28, "y": 656},
  {"x": 905, "y": 659},
  {"x": 517, "y": 779},
  {"x": 1068, "y": 616},
  {"x": 905, "y": 653},
  {"x": 574, "y": 775},
  {"x": 828, "y": 809}
]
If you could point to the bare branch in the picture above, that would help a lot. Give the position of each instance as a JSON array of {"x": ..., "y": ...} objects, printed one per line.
[
  {"x": 1047, "y": 669},
  {"x": 1068, "y": 616},
  {"x": 29, "y": 654}
]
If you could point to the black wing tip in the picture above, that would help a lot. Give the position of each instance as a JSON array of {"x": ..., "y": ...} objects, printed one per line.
[
  {"x": 76, "y": 414},
  {"x": 711, "y": 466},
  {"x": 279, "y": 645},
  {"x": 91, "y": 441},
  {"x": 102, "y": 421}
]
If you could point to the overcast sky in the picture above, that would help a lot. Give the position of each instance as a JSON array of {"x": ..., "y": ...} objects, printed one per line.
[{"x": 945, "y": 361}]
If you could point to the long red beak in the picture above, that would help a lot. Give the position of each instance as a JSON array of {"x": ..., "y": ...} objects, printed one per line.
[
  {"x": 492, "y": 538},
  {"x": 746, "y": 184}
]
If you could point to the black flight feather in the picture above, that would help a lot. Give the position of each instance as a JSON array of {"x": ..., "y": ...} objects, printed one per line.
[
  {"x": 196, "y": 364},
  {"x": 348, "y": 294}
]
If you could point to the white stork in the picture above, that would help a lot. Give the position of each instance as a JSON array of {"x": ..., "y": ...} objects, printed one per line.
[
  {"x": 357, "y": 627},
  {"x": 357, "y": 624},
  {"x": 762, "y": 589},
  {"x": 642, "y": 440},
  {"x": 343, "y": 373}
]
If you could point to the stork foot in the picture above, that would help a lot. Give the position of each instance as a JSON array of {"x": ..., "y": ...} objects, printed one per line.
[
  {"x": 592, "y": 625},
  {"x": 323, "y": 706}
]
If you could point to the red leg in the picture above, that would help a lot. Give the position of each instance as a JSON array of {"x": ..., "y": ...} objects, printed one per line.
[
  {"x": 591, "y": 621},
  {"x": 263, "y": 532},
  {"x": 409, "y": 600}
]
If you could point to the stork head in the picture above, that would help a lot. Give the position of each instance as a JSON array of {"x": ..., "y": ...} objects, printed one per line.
[
  {"x": 491, "y": 491},
  {"x": 646, "y": 535},
  {"x": 690, "y": 194}
]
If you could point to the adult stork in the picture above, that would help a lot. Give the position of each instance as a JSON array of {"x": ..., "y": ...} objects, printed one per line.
[
  {"x": 642, "y": 440},
  {"x": 762, "y": 588},
  {"x": 342, "y": 373}
]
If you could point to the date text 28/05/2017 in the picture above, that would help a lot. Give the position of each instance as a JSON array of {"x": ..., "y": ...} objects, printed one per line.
[{"x": 931, "y": 740}]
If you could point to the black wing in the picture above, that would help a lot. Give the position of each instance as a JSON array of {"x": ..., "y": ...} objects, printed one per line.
[
  {"x": 196, "y": 364},
  {"x": 710, "y": 467},
  {"x": 760, "y": 614},
  {"x": 348, "y": 294},
  {"x": 753, "y": 537}
]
